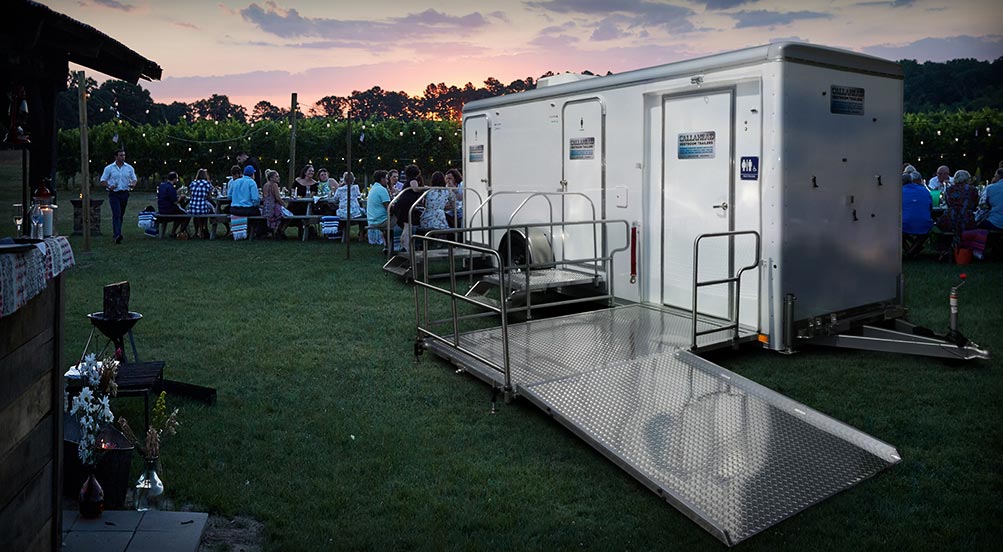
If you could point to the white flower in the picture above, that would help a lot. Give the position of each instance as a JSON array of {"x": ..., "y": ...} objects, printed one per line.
[{"x": 105, "y": 414}]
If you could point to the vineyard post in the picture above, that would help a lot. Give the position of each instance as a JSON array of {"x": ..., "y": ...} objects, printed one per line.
[
  {"x": 85, "y": 165},
  {"x": 292, "y": 143}
]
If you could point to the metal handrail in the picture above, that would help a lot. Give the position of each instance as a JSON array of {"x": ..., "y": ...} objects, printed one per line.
[
  {"x": 606, "y": 261},
  {"x": 737, "y": 280},
  {"x": 393, "y": 201},
  {"x": 425, "y": 286}
]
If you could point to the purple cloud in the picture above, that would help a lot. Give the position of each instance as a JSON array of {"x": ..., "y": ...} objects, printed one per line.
[
  {"x": 889, "y": 3},
  {"x": 636, "y": 13},
  {"x": 113, "y": 4},
  {"x": 608, "y": 29},
  {"x": 764, "y": 18},
  {"x": 723, "y": 4},
  {"x": 186, "y": 25},
  {"x": 985, "y": 48},
  {"x": 290, "y": 24}
]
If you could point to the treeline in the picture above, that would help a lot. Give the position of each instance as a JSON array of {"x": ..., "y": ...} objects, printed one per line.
[
  {"x": 186, "y": 147},
  {"x": 960, "y": 84},
  {"x": 968, "y": 140},
  {"x": 114, "y": 99}
]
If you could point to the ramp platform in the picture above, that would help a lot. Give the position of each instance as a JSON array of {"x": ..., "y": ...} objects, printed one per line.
[{"x": 732, "y": 455}]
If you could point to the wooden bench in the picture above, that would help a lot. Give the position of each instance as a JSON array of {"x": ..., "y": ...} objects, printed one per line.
[
  {"x": 307, "y": 219},
  {"x": 163, "y": 220},
  {"x": 215, "y": 219}
]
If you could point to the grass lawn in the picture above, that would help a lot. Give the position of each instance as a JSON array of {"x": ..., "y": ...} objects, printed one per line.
[{"x": 328, "y": 433}]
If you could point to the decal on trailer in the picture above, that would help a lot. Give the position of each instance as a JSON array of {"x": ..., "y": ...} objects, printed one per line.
[
  {"x": 846, "y": 100},
  {"x": 750, "y": 168},
  {"x": 582, "y": 148},
  {"x": 477, "y": 154},
  {"x": 697, "y": 145}
]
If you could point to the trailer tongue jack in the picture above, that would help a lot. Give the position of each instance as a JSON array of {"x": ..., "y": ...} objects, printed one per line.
[{"x": 899, "y": 336}]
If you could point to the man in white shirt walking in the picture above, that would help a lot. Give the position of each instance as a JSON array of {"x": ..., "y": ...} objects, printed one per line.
[{"x": 118, "y": 178}]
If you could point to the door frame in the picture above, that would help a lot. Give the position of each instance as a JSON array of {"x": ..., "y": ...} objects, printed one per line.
[
  {"x": 487, "y": 152},
  {"x": 733, "y": 91},
  {"x": 602, "y": 164}
]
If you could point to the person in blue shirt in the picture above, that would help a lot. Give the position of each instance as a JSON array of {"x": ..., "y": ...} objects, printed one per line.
[
  {"x": 917, "y": 208},
  {"x": 167, "y": 202},
  {"x": 993, "y": 202},
  {"x": 245, "y": 201},
  {"x": 376, "y": 205}
]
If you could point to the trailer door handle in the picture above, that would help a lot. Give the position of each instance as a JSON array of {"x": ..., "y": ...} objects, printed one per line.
[{"x": 723, "y": 206}]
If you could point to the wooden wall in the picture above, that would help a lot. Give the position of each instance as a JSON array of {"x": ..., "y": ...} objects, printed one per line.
[{"x": 31, "y": 423}]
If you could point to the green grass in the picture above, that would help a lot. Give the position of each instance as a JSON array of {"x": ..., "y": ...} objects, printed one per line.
[{"x": 329, "y": 433}]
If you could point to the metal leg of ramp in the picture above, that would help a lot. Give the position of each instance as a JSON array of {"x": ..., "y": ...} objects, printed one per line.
[{"x": 732, "y": 455}]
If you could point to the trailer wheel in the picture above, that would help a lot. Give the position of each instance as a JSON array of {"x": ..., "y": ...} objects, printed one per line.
[{"x": 534, "y": 250}]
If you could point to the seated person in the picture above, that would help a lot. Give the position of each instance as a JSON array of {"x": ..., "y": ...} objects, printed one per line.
[
  {"x": 201, "y": 190},
  {"x": 376, "y": 206},
  {"x": 245, "y": 201},
  {"x": 342, "y": 203},
  {"x": 167, "y": 202},
  {"x": 437, "y": 200},
  {"x": 993, "y": 203},
  {"x": 272, "y": 204},
  {"x": 407, "y": 216},
  {"x": 917, "y": 205}
]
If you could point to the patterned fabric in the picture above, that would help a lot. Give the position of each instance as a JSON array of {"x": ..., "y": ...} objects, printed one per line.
[
  {"x": 147, "y": 219},
  {"x": 375, "y": 237},
  {"x": 272, "y": 211},
  {"x": 434, "y": 216},
  {"x": 198, "y": 199},
  {"x": 238, "y": 227},
  {"x": 976, "y": 241},
  {"x": 23, "y": 275},
  {"x": 339, "y": 197},
  {"x": 962, "y": 199},
  {"x": 329, "y": 226}
]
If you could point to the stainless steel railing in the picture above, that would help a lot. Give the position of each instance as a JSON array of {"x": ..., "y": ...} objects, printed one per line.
[{"x": 736, "y": 279}]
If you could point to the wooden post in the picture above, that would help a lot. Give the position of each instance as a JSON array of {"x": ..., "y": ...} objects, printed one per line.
[
  {"x": 292, "y": 146},
  {"x": 85, "y": 163}
]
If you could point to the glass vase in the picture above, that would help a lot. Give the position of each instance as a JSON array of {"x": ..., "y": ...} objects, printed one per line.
[
  {"x": 149, "y": 488},
  {"x": 91, "y": 499}
]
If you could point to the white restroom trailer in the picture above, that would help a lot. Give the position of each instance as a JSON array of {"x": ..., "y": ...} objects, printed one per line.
[
  {"x": 799, "y": 143},
  {"x": 794, "y": 146}
]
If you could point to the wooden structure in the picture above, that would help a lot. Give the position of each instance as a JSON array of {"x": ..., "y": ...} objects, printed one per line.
[{"x": 37, "y": 47}]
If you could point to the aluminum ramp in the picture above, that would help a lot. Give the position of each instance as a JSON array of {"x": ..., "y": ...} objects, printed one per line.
[{"x": 732, "y": 455}]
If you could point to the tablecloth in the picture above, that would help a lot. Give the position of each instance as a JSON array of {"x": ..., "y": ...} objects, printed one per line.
[{"x": 24, "y": 275}]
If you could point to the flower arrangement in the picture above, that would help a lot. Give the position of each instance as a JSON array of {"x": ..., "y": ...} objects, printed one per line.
[
  {"x": 163, "y": 425},
  {"x": 91, "y": 406}
]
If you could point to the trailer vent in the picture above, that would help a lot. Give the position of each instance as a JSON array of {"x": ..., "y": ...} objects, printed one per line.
[{"x": 563, "y": 78}]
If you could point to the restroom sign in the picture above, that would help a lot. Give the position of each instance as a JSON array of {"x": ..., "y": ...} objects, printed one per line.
[{"x": 750, "y": 168}]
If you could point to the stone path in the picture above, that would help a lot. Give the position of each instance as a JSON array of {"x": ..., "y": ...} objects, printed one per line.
[{"x": 128, "y": 531}]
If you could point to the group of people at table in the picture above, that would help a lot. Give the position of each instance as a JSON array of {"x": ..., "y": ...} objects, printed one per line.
[
  {"x": 241, "y": 196},
  {"x": 967, "y": 214}
]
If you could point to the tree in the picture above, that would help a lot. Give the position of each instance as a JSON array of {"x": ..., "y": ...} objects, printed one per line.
[
  {"x": 217, "y": 108},
  {"x": 330, "y": 106},
  {"x": 169, "y": 114},
  {"x": 379, "y": 104},
  {"x": 267, "y": 111}
]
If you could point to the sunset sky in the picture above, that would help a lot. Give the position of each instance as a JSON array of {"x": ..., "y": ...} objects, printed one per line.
[{"x": 265, "y": 50}]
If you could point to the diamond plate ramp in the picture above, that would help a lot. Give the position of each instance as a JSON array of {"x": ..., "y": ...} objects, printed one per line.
[{"x": 732, "y": 455}]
